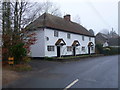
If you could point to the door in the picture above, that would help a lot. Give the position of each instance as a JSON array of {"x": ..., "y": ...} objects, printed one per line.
[
  {"x": 74, "y": 53},
  {"x": 58, "y": 51},
  {"x": 88, "y": 49}
]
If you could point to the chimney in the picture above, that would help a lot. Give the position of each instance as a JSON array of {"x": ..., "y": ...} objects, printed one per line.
[{"x": 67, "y": 17}]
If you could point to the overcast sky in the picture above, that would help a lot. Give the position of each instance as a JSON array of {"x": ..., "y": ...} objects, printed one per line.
[{"x": 94, "y": 14}]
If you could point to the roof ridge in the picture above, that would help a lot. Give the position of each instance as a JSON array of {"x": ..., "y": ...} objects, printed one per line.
[{"x": 56, "y": 22}]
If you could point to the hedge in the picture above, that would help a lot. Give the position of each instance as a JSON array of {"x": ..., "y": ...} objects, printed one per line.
[{"x": 107, "y": 50}]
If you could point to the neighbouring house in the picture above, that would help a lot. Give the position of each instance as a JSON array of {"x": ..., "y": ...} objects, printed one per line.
[
  {"x": 105, "y": 44},
  {"x": 107, "y": 40},
  {"x": 58, "y": 37},
  {"x": 114, "y": 42},
  {"x": 101, "y": 38}
]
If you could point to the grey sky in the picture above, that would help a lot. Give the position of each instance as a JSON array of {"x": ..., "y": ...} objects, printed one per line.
[{"x": 94, "y": 14}]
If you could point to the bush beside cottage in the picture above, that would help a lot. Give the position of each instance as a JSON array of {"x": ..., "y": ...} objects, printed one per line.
[{"x": 107, "y": 50}]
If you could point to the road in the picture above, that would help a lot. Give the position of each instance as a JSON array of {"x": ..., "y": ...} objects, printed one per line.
[{"x": 97, "y": 72}]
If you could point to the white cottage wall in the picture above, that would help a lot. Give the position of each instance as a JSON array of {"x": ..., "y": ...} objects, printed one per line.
[
  {"x": 38, "y": 49},
  {"x": 49, "y": 33}
]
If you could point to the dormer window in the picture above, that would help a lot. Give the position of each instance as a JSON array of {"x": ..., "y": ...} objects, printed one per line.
[
  {"x": 56, "y": 33},
  {"x": 68, "y": 35}
]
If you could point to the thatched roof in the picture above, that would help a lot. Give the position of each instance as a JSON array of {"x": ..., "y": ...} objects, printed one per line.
[{"x": 54, "y": 22}]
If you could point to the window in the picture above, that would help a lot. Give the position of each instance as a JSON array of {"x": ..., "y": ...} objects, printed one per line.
[
  {"x": 92, "y": 48},
  {"x": 82, "y": 37},
  {"x": 50, "y": 48},
  {"x": 68, "y": 35},
  {"x": 83, "y": 48},
  {"x": 56, "y": 33},
  {"x": 89, "y": 38},
  {"x": 69, "y": 48}
]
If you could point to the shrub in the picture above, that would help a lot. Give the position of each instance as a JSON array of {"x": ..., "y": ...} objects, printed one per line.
[
  {"x": 18, "y": 52},
  {"x": 26, "y": 59},
  {"x": 111, "y": 50},
  {"x": 99, "y": 48},
  {"x": 114, "y": 50},
  {"x": 106, "y": 51},
  {"x": 5, "y": 54}
]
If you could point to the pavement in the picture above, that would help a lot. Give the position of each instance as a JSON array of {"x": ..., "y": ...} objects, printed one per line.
[{"x": 97, "y": 72}]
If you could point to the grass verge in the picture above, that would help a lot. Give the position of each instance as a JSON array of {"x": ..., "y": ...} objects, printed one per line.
[
  {"x": 71, "y": 57},
  {"x": 18, "y": 67}
]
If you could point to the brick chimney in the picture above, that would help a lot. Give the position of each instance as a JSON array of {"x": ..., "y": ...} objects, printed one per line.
[{"x": 67, "y": 17}]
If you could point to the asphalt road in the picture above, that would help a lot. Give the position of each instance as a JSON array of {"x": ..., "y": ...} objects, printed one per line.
[{"x": 98, "y": 72}]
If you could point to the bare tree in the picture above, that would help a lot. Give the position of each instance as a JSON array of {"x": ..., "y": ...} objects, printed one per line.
[
  {"x": 28, "y": 12},
  {"x": 91, "y": 31},
  {"x": 51, "y": 8},
  {"x": 38, "y": 9},
  {"x": 17, "y": 14},
  {"x": 6, "y": 22},
  {"x": 77, "y": 19},
  {"x": 0, "y": 17},
  {"x": 105, "y": 31},
  {"x": 0, "y": 24}
]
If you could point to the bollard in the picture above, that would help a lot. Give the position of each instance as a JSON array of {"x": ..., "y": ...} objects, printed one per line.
[{"x": 11, "y": 60}]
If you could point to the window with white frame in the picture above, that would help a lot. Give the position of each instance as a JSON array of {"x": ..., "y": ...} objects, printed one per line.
[
  {"x": 68, "y": 35},
  {"x": 69, "y": 48},
  {"x": 50, "y": 48},
  {"x": 92, "y": 48},
  {"x": 83, "y": 38},
  {"x": 89, "y": 38},
  {"x": 56, "y": 33},
  {"x": 83, "y": 49}
]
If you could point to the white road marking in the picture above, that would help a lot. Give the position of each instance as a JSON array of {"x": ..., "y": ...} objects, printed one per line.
[{"x": 70, "y": 85}]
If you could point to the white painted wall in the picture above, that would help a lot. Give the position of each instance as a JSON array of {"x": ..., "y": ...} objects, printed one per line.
[
  {"x": 52, "y": 40},
  {"x": 38, "y": 49},
  {"x": 105, "y": 44}
]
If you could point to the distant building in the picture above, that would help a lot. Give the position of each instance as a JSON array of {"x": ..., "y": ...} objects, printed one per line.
[
  {"x": 113, "y": 34},
  {"x": 60, "y": 37},
  {"x": 107, "y": 40},
  {"x": 101, "y": 38},
  {"x": 114, "y": 42},
  {"x": 105, "y": 44}
]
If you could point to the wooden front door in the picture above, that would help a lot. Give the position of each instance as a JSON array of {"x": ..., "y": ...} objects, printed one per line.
[
  {"x": 58, "y": 51},
  {"x": 74, "y": 53},
  {"x": 88, "y": 49}
]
